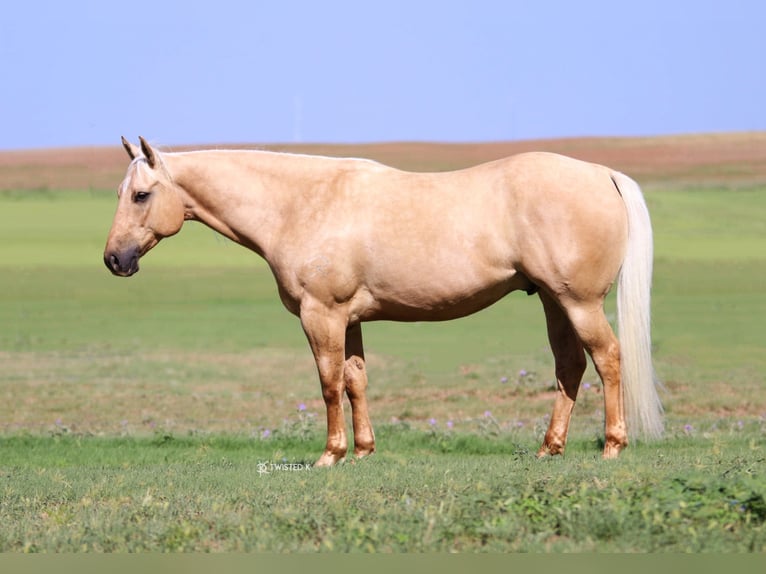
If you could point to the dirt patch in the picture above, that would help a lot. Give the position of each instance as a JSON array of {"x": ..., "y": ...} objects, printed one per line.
[
  {"x": 733, "y": 159},
  {"x": 264, "y": 390}
]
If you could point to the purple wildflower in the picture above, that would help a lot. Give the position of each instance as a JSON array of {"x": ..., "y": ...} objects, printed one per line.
[
  {"x": 266, "y": 433},
  {"x": 302, "y": 407},
  {"x": 487, "y": 414},
  {"x": 586, "y": 386},
  {"x": 432, "y": 422},
  {"x": 523, "y": 373},
  {"x": 450, "y": 424},
  {"x": 503, "y": 379}
]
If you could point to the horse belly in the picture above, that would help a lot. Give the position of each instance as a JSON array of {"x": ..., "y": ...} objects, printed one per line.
[
  {"x": 441, "y": 297},
  {"x": 450, "y": 264}
]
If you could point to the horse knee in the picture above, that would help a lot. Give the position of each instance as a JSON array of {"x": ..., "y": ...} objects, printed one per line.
[
  {"x": 355, "y": 377},
  {"x": 332, "y": 394},
  {"x": 331, "y": 376}
]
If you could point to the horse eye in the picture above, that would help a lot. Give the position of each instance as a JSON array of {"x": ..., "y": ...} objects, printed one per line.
[{"x": 141, "y": 196}]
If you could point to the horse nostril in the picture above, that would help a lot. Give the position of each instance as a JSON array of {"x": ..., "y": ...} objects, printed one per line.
[{"x": 112, "y": 262}]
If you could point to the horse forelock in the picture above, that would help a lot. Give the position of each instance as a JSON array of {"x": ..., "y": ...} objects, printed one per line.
[{"x": 139, "y": 164}]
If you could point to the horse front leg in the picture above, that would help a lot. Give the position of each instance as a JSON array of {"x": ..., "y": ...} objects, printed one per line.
[
  {"x": 355, "y": 378},
  {"x": 326, "y": 334}
]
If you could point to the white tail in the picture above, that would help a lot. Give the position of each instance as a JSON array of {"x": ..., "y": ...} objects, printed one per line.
[{"x": 643, "y": 409}]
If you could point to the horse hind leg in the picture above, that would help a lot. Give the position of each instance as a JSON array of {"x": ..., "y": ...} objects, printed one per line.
[
  {"x": 355, "y": 379},
  {"x": 592, "y": 327},
  {"x": 570, "y": 364}
]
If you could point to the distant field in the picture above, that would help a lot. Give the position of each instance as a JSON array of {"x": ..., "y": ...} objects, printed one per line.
[
  {"x": 730, "y": 160},
  {"x": 128, "y": 389}
]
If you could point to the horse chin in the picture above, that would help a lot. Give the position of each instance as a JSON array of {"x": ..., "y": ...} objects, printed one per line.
[{"x": 128, "y": 272}]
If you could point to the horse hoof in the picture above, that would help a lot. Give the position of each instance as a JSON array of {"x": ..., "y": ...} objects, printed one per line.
[
  {"x": 363, "y": 452},
  {"x": 550, "y": 450},
  {"x": 611, "y": 451},
  {"x": 329, "y": 459}
]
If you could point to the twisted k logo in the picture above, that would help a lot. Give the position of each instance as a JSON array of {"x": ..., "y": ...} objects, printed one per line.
[{"x": 269, "y": 467}]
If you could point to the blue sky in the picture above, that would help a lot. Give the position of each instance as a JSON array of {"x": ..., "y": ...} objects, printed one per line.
[{"x": 270, "y": 71}]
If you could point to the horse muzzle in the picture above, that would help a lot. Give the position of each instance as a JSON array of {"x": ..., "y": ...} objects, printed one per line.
[{"x": 122, "y": 263}]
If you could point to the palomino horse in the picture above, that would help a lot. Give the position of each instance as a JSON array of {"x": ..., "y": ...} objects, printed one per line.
[{"x": 351, "y": 240}]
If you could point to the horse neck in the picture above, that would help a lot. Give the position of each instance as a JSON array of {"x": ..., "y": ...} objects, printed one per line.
[{"x": 240, "y": 194}]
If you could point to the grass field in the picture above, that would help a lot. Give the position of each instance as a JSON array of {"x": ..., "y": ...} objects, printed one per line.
[{"x": 160, "y": 412}]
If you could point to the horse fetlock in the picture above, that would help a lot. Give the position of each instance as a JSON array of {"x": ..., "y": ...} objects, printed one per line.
[{"x": 364, "y": 442}]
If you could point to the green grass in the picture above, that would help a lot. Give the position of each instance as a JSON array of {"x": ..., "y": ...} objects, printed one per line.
[
  {"x": 424, "y": 493},
  {"x": 134, "y": 412},
  {"x": 709, "y": 225}
]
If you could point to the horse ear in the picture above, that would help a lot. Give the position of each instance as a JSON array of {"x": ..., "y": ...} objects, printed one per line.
[
  {"x": 148, "y": 152},
  {"x": 132, "y": 150}
]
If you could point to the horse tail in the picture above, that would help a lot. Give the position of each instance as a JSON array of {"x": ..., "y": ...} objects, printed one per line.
[{"x": 643, "y": 409}]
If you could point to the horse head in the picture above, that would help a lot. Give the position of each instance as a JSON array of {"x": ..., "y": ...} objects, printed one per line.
[{"x": 149, "y": 208}]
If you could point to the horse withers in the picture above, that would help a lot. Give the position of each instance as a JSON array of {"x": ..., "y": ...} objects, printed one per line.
[{"x": 352, "y": 240}]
